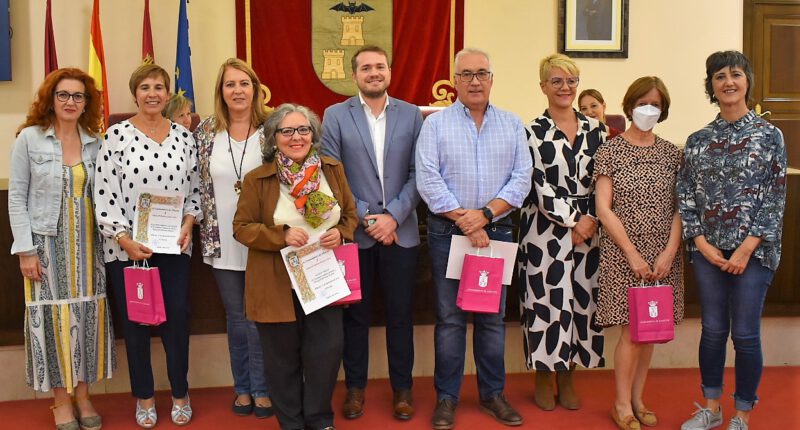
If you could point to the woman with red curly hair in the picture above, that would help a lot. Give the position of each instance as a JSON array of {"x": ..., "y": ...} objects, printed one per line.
[{"x": 68, "y": 334}]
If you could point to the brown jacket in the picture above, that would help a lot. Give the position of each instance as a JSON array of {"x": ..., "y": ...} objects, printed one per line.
[{"x": 268, "y": 290}]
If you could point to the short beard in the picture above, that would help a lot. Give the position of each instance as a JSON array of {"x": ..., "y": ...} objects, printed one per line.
[{"x": 373, "y": 94}]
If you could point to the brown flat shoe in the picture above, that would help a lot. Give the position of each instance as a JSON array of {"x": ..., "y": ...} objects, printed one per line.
[
  {"x": 353, "y": 403},
  {"x": 646, "y": 417},
  {"x": 403, "y": 405},
  {"x": 626, "y": 423}
]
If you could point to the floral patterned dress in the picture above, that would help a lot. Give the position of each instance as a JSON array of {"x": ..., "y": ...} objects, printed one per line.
[{"x": 68, "y": 332}]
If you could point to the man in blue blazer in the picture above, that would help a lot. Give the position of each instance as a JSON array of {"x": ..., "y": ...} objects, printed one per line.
[{"x": 375, "y": 137}]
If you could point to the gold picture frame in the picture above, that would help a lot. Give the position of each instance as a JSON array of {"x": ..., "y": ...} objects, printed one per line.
[{"x": 593, "y": 28}]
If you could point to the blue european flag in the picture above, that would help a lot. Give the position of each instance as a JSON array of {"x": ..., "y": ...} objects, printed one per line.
[{"x": 183, "y": 61}]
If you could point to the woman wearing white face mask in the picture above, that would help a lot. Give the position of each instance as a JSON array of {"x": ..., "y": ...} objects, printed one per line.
[{"x": 634, "y": 176}]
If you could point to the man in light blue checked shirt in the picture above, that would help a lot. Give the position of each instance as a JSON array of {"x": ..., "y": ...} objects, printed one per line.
[{"x": 473, "y": 169}]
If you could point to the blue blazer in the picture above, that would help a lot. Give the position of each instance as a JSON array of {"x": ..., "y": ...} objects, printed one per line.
[{"x": 346, "y": 137}]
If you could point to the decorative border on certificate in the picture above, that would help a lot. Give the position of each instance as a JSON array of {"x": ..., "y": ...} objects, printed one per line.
[
  {"x": 157, "y": 224},
  {"x": 316, "y": 275}
]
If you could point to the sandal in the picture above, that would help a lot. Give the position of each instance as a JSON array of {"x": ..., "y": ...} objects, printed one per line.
[
  {"x": 93, "y": 422},
  {"x": 181, "y": 415},
  {"x": 146, "y": 414},
  {"x": 264, "y": 411},
  {"x": 72, "y": 425}
]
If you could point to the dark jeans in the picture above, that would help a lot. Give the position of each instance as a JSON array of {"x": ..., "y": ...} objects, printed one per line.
[
  {"x": 488, "y": 340},
  {"x": 174, "y": 272},
  {"x": 244, "y": 347},
  {"x": 393, "y": 269},
  {"x": 304, "y": 357},
  {"x": 731, "y": 305}
]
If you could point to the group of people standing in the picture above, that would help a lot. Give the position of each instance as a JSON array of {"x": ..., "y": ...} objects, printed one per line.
[{"x": 598, "y": 215}]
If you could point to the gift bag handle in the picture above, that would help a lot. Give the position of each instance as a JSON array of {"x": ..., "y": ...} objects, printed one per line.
[
  {"x": 144, "y": 264},
  {"x": 491, "y": 251},
  {"x": 642, "y": 284}
]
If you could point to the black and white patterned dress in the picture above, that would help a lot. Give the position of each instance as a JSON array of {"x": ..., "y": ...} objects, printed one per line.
[{"x": 558, "y": 281}]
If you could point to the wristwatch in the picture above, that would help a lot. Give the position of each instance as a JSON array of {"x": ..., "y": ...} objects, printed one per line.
[
  {"x": 120, "y": 235},
  {"x": 487, "y": 213}
]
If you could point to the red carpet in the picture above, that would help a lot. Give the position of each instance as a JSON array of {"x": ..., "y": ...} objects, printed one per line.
[{"x": 670, "y": 394}]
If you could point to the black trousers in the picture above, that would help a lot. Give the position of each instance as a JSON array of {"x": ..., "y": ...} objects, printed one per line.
[
  {"x": 174, "y": 272},
  {"x": 393, "y": 269},
  {"x": 302, "y": 362}
]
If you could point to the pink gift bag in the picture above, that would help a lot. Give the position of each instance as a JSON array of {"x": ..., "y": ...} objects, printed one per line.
[
  {"x": 650, "y": 314},
  {"x": 145, "y": 301},
  {"x": 481, "y": 284},
  {"x": 347, "y": 256}
]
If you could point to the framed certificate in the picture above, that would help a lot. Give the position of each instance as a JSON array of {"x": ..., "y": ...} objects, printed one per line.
[
  {"x": 316, "y": 275},
  {"x": 157, "y": 223}
]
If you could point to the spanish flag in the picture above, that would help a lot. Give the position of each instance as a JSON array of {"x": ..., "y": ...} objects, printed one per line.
[
  {"x": 148, "y": 54},
  {"x": 97, "y": 60},
  {"x": 50, "y": 57}
]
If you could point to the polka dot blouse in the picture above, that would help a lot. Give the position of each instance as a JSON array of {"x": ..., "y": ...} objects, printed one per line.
[{"x": 129, "y": 161}]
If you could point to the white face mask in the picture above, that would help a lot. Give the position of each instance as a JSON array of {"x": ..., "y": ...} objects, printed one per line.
[{"x": 645, "y": 117}]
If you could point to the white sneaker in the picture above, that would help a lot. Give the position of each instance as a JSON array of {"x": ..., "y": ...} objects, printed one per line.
[
  {"x": 737, "y": 424},
  {"x": 704, "y": 419}
]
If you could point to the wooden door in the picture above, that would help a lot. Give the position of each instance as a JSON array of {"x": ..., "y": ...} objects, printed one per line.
[{"x": 772, "y": 42}]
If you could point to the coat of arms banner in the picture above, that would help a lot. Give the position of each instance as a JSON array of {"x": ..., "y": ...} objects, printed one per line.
[{"x": 301, "y": 49}]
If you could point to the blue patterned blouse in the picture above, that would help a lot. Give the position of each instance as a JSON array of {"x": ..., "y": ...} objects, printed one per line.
[{"x": 733, "y": 185}]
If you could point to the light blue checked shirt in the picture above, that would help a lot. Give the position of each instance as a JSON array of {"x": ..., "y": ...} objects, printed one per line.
[{"x": 461, "y": 167}]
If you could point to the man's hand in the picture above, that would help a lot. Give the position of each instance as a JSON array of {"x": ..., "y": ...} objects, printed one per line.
[
  {"x": 479, "y": 239},
  {"x": 382, "y": 228},
  {"x": 472, "y": 221}
]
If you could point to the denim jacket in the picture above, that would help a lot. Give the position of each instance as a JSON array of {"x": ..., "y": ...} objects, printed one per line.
[{"x": 34, "y": 186}]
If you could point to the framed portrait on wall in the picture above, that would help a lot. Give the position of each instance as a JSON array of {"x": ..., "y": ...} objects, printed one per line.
[{"x": 593, "y": 28}]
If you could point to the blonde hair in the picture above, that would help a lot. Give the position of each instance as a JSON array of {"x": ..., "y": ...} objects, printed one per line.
[
  {"x": 175, "y": 105},
  {"x": 557, "y": 60},
  {"x": 258, "y": 112}
]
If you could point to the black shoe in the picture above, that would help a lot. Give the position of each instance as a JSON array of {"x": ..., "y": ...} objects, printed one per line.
[
  {"x": 499, "y": 408},
  {"x": 262, "y": 412},
  {"x": 241, "y": 410},
  {"x": 444, "y": 415}
]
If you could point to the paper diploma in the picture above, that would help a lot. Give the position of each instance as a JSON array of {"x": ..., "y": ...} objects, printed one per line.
[
  {"x": 157, "y": 225},
  {"x": 316, "y": 275}
]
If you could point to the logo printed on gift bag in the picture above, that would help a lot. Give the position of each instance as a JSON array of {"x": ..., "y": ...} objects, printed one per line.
[
  {"x": 653, "y": 308},
  {"x": 483, "y": 279},
  {"x": 343, "y": 268},
  {"x": 139, "y": 290}
]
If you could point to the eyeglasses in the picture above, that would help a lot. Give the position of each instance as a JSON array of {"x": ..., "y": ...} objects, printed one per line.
[
  {"x": 303, "y": 130},
  {"x": 64, "y": 96},
  {"x": 482, "y": 75},
  {"x": 559, "y": 82}
]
